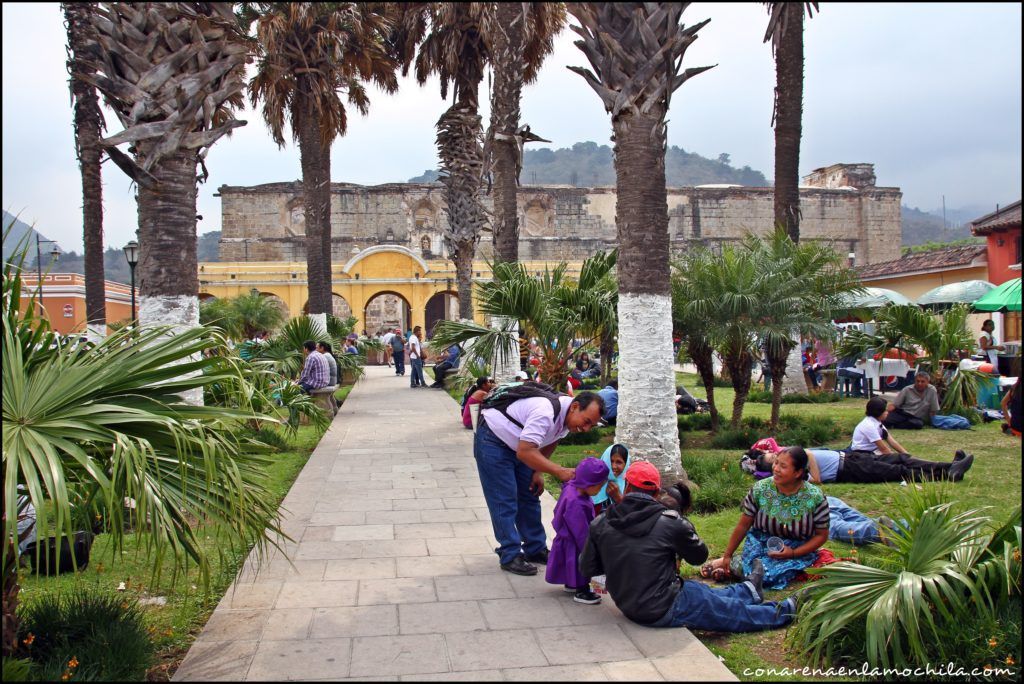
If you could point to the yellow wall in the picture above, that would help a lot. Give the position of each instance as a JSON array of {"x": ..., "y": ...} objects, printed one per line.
[
  {"x": 373, "y": 271},
  {"x": 913, "y": 286}
]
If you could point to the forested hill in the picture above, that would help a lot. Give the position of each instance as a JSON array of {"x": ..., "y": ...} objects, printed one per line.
[{"x": 588, "y": 164}]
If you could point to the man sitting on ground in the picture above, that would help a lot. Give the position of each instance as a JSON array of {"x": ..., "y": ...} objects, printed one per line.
[
  {"x": 316, "y": 373},
  {"x": 915, "y": 405},
  {"x": 636, "y": 544},
  {"x": 449, "y": 361},
  {"x": 610, "y": 394}
]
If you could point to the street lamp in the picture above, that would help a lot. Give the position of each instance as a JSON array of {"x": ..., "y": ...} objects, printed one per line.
[
  {"x": 54, "y": 253},
  {"x": 131, "y": 254}
]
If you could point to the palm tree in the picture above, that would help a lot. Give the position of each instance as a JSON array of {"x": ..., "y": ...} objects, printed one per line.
[
  {"x": 522, "y": 35},
  {"x": 695, "y": 331},
  {"x": 786, "y": 31},
  {"x": 172, "y": 73},
  {"x": 636, "y": 50},
  {"x": 450, "y": 37},
  {"x": 106, "y": 422},
  {"x": 243, "y": 316},
  {"x": 552, "y": 309},
  {"x": 88, "y": 126},
  {"x": 804, "y": 286},
  {"x": 309, "y": 55}
]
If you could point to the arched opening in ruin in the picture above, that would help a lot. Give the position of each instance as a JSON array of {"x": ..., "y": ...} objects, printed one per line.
[
  {"x": 280, "y": 303},
  {"x": 443, "y": 306},
  {"x": 386, "y": 309}
]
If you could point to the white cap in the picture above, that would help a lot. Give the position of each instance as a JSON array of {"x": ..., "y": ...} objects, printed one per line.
[{"x": 521, "y": 375}]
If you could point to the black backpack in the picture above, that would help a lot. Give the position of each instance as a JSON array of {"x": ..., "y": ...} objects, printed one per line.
[{"x": 502, "y": 396}]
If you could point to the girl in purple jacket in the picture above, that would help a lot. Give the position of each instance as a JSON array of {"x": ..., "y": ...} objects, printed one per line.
[{"x": 573, "y": 514}]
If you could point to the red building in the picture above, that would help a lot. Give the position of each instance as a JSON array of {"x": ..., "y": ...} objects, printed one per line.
[
  {"x": 64, "y": 300},
  {"x": 1001, "y": 230}
]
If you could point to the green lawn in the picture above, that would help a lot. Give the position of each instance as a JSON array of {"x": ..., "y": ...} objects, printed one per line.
[
  {"x": 175, "y": 625},
  {"x": 994, "y": 482}
]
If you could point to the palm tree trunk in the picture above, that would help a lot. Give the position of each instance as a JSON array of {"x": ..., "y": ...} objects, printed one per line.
[
  {"x": 325, "y": 228},
  {"x": 311, "y": 153},
  {"x": 461, "y": 153},
  {"x": 740, "y": 363},
  {"x": 701, "y": 352},
  {"x": 88, "y": 127},
  {"x": 647, "y": 416},
  {"x": 789, "y": 92},
  {"x": 507, "y": 58},
  {"x": 607, "y": 347},
  {"x": 777, "y": 364},
  {"x": 168, "y": 266}
]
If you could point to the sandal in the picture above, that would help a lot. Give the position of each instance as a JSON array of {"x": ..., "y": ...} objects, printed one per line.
[{"x": 709, "y": 571}]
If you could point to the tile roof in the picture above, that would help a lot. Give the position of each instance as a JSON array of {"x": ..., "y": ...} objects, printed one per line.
[
  {"x": 940, "y": 259},
  {"x": 1003, "y": 218}
]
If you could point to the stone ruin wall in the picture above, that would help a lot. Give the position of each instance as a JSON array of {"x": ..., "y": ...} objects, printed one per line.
[{"x": 840, "y": 204}]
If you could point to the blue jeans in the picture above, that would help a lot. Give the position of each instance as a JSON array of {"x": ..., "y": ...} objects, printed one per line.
[
  {"x": 399, "y": 357},
  {"x": 417, "y": 373},
  {"x": 514, "y": 510},
  {"x": 732, "y": 609},
  {"x": 849, "y": 525}
]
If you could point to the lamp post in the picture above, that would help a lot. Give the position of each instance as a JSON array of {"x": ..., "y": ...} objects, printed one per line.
[
  {"x": 54, "y": 253},
  {"x": 131, "y": 254}
]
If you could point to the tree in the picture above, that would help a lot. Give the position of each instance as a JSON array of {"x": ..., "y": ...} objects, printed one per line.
[
  {"x": 172, "y": 73},
  {"x": 522, "y": 35},
  {"x": 786, "y": 31},
  {"x": 448, "y": 39},
  {"x": 309, "y": 55},
  {"x": 636, "y": 50},
  {"x": 88, "y": 125},
  {"x": 552, "y": 309},
  {"x": 694, "y": 331},
  {"x": 243, "y": 316}
]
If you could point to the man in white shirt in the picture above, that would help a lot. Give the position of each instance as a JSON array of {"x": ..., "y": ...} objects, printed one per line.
[{"x": 416, "y": 358}]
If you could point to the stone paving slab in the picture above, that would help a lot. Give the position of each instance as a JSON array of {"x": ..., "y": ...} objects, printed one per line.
[{"x": 392, "y": 574}]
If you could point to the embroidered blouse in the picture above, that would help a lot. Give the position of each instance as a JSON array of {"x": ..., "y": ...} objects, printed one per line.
[{"x": 793, "y": 516}]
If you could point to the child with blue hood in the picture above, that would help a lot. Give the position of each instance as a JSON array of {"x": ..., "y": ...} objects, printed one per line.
[
  {"x": 617, "y": 458},
  {"x": 573, "y": 514}
]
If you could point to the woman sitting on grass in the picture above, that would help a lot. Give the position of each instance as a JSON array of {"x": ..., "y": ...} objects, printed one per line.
[{"x": 785, "y": 507}]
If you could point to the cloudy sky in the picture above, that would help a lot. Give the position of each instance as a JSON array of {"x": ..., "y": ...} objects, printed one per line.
[{"x": 929, "y": 93}]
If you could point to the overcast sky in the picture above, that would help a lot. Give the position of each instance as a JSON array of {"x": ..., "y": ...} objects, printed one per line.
[{"x": 929, "y": 93}]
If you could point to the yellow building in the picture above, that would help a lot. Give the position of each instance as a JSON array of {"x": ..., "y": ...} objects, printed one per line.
[{"x": 426, "y": 289}]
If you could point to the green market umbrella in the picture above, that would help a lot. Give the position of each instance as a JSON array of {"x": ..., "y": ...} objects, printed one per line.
[
  {"x": 966, "y": 292},
  {"x": 1006, "y": 297}
]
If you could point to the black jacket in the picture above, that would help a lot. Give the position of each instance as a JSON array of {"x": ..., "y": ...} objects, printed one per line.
[{"x": 635, "y": 545}]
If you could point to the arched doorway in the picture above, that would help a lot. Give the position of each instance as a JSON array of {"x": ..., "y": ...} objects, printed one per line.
[
  {"x": 386, "y": 310},
  {"x": 443, "y": 306},
  {"x": 277, "y": 301},
  {"x": 339, "y": 307}
]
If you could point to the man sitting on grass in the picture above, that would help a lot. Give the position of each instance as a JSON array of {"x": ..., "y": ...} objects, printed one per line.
[{"x": 915, "y": 405}]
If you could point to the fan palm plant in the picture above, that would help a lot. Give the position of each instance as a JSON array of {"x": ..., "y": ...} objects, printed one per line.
[
  {"x": 108, "y": 421},
  {"x": 172, "y": 73},
  {"x": 243, "y": 316},
  {"x": 694, "y": 331},
  {"x": 636, "y": 50},
  {"x": 552, "y": 309},
  {"x": 310, "y": 54},
  {"x": 910, "y": 330},
  {"x": 88, "y": 131},
  {"x": 945, "y": 566}
]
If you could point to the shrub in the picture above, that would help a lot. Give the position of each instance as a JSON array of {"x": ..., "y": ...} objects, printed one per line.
[
  {"x": 793, "y": 430},
  {"x": 694, "y": 421},
  {"x": 737, "y": 439},
  {"x": 269, "y": 436},
  {"x": 103, "y": 632},
  {"x": 762, "y": 397},
  {"x": 720, "y": 482},
  {"x": 17, "y": 669},
  {"x": 590, "y": 437}
]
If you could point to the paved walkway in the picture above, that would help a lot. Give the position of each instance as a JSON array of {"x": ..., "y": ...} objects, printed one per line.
[{"x": 395, "y": 576}]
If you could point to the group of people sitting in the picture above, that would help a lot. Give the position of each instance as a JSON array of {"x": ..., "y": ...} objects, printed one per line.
[{"x": 319, "y": 370}]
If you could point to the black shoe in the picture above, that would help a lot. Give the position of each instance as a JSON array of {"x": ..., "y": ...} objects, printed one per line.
[
  {"x": 756, "y": 578},
  {"x": 957, "y": 470},
  {"x": 586, "y": 596},
  {"x": 519, "y": 566},
  {"x": 959, "y": 455},
  {"x": 541, "y": 557}
]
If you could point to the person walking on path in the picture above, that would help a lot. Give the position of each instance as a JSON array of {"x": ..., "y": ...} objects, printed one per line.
[
  {"x": 416, "y": 358},
  {"x": 637, "y": 546},
  {"x": 512, "y": 446},
  {"x": 398, "y": 351}
]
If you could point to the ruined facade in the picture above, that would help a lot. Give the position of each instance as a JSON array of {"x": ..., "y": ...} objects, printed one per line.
[{"x": 840, "y": 205}]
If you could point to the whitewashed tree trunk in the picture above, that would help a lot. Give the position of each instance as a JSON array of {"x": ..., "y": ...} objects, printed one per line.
[
  {"x": 793, "y": 382},
  {"x": 504, "y": 367},
  {"x": 181, "y": 312},
  {"x": 95, "y": 332},
  {"x": 646, "y": 421},
  {"x": 319, "y": 321}
]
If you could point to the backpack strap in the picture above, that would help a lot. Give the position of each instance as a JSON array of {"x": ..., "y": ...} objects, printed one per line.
[{"x": 556, "y": 406}]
